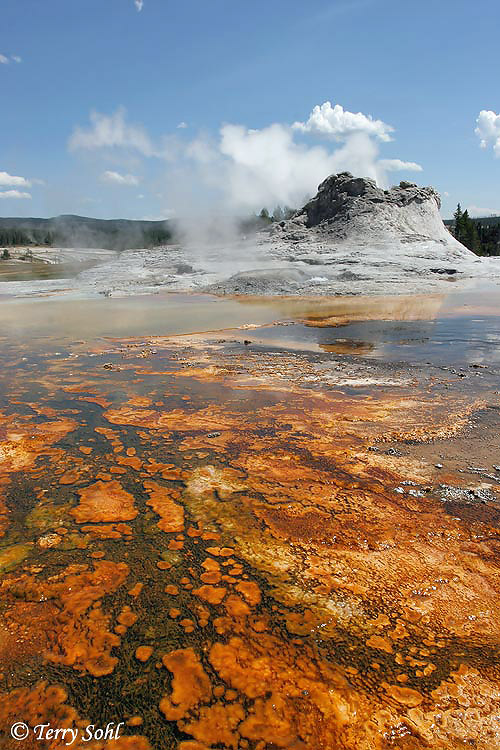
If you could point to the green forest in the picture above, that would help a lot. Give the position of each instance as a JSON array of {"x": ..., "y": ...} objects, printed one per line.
[
  {"x": 482, "y": 236},
  {"x": 19, "y": 237},
  {"x": 80, "y": 231}
]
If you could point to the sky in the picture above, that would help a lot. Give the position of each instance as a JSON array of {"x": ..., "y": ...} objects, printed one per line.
[{"x": 149, "y": 109}]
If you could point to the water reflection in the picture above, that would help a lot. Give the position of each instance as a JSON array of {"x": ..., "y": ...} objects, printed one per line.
[{"x": 462, "y": 327}]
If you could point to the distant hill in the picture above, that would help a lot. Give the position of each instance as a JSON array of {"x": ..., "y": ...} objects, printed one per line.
[
  {"x": 81, "y": 231},
  {"x": 491, "y": 221}
]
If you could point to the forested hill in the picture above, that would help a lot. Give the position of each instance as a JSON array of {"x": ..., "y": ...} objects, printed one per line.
[{"x": 80, "y": 231}]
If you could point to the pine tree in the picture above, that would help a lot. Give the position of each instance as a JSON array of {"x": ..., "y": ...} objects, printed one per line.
[
  {"x": 469, "y": 234},
  {"x": 458, "y": 216}
]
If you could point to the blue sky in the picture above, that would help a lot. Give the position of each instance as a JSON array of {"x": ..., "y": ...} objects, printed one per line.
[{"x": 425, "y": 69}]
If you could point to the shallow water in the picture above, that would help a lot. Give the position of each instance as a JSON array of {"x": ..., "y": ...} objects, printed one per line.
[
  {"x": 448, "y": 341},
  {"x": 70, "y": 319},
  {"x": 458, "y": 326}
]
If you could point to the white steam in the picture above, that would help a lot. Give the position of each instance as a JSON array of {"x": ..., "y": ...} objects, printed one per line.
[
  {"x": 243, "y": 169},
  {"x": 248, "y": 168},
  {"x": 264, "y": 167}
]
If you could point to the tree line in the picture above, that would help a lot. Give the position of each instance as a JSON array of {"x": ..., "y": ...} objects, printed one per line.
[
  {"x": 114, "y": 239},
  {"x": 265, "y": 218},
  {"x": 279, "y": 214},
  {"x": 16, "y": 237},
  {"x": 482, "y": 236}
]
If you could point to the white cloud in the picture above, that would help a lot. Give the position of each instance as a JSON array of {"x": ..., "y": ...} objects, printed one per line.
[
  {"x": 111, "y": 131},
  {"x": 14, "y": 194},
  {"x": 484, "y": 212},
  {"x": 139, "y": 4},
  {"x": 13, "y": 180},
  {"x": 488, "y": 130},
  {"x": 4, "y": 60},
  {"x": 182, "y": 125},
  {"x": 336, "y": 122},
  {"x": 396, "y": 165},
  {"x": 119, "y": 179}
]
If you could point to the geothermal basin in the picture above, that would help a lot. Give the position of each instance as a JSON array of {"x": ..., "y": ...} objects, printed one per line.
[{"x": 252, "y": 523}]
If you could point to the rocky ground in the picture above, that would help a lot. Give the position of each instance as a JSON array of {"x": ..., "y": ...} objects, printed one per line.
[
  {"x": 351, "y": 238},
  {"x": 355, "y": 238}
]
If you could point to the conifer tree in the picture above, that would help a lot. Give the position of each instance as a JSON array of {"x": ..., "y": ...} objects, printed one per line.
[{"x": 458, "y": 216}]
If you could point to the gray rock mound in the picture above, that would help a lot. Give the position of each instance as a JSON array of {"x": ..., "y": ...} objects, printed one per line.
[
  {"x": 356, "y": 210},
  {"x": 356, "y": 238},
  {"x": 342, "y": 198}
]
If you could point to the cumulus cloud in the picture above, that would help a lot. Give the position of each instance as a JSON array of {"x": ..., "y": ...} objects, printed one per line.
[
  {"x": 4, "y": 60},
  {"x": 139, "y": 4},
  {"x": 396, "y": 165},
  {"x": 119, "y": 179},
  {"x": 488, "y": 130},
  {"x": 338, "y": 123},
  {"x": 17, "y": 59},
  {"x": 182, "y": 125},
  {"x": 111, "y": 131},
  {"x": 13, "y": 180},
  {"x": 15, "y": 194}
]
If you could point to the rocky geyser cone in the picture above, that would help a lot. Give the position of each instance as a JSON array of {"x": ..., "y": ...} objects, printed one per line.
[{"x": 355, "y": 209}]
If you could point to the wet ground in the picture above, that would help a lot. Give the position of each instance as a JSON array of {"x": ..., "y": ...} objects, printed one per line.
[
  {"x": 251, "y": 524},
  {"x": 28, "y": 271}
]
